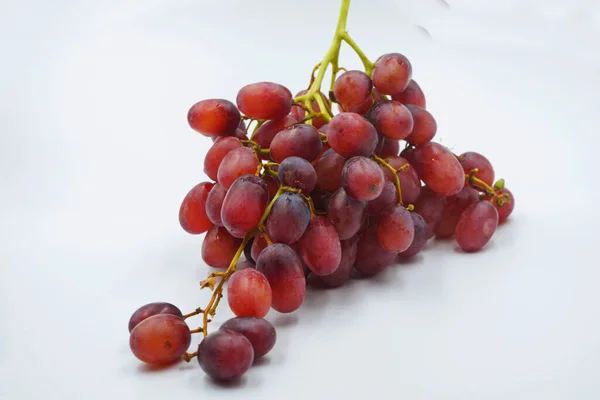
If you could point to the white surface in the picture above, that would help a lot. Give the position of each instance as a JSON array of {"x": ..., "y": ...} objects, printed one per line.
[{"x": 96, "y": 156}]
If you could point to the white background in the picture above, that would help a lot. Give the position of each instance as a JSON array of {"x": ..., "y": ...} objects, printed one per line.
[{"x": 96, "y": 155}]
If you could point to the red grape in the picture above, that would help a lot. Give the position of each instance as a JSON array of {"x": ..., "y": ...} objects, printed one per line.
[
  {"x": 258, "y": 331},
  {"x": 352, "y": 88},
  {"x": 411, "y": 95},
  {"x": 214, "y": 203},
  {"x": 160, "y": 340},
  {"x": 346, "y": 214},
  {"x": 439, "y": 169},
  {"x": 214, "y": 117},
  {"x": 471, "y": 160},
  {"x": 410, "y": 184},
  {"x": 219, "y": 247},
  {"x": 192, "y": 213},
  {"x": 297, "y": 173},
  {"x": 258, "y": 246},
  {"x": 420, "y": 239},
  {"x": 424, "y": 128},
  {"x": 299, "y": 140},
  {"x": 264, "y": 135},
  {"x": 455, "y": 206},
  {"x": 237, "y": 162},
  {"x": 288, "y": 218},
  {"x": 283, "y": 269},
  {"x": 396, "y": 229},
  {"x": 265, "y": 100},
  {"x": 217, "y": 152},
  {"x": 249, "y": 293},
  {"x": 476, "y": 226},
  {"x": 389, "y": 148},
  {"x": 362, "y": 179},
  {"x": 299, "y": 113},
  {"x": 430, "y": 206},
  {"x": 507, "y": 207},
  {"x": 150, "y": 310},
  {"x": 350, "y": 135},
  {"x": 320, "y": 246},
  {"x": 392, "y": 120},
  {"x": 342, "y": 273},
  {"x": 388, "y": 196},
  {"x": 329, "y": 170},
  {"x": 371, "y": 258},
  {"x": 225, "y": 354},
  {"x": 391, "y": 73},
  {"x": 244, "y": 205}
]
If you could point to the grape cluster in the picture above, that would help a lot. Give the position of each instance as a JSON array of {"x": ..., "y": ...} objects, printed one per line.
[{"x": 307, "y": 194}]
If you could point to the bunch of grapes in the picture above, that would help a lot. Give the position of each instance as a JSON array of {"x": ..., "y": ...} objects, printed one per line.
[{"x": 309, "y": 192}]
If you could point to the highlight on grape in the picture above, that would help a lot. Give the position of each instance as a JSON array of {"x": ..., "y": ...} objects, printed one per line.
[{"x": 312, "y": 192}]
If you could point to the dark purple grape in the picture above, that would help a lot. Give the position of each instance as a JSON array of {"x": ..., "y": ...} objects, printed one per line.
[
  {"x": 258, "y": 331},
  {"x": 329, "y": 170},
  {"x": 288, "y": 218},
  {"x": 299, "y": 140},
  {"x": 430, "y": 206},
  {"x": 297, "y": 173},
  {"x": 371, "y": 258},
  {"x": 346, "y": 214},
  {"x": 420, "y": 239},
  {"x": 225, "y": 354}
]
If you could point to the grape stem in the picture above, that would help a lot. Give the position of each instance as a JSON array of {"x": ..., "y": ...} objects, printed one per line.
[
  {"x": 195, "y": 312},
  {"x": 332, "y": 58},
  {"x": 189, "y": 356},
  {"x": 478, "y": 184},
  {"x": 384, "y": 164}
]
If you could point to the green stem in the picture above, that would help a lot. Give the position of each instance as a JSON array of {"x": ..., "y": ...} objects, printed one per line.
[{"x": 365, "y": 60}]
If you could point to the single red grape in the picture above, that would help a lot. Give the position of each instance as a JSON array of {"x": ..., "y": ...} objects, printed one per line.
[
  {"x": 244, "y": 205},
  {"x": 350, "y": 135},
  {"x": 439, "y": 169},
  {"x": 320, "y": 246},
  {"x": 258, "y": 331},
  {"x": 219, "y": 247},
  {"x": 283, "y": 269},
  {"x": 266, "y": 132},
  {"x": 217, "y": 152},
  {"x": 249, "y": 293},
  {"x": 352, "y": 88},
  {"x": 362, "y": 179},
  {"x": 237, "y": 162},
  {"x": 476, "y": 226},
  {"x": 411, "y": 95},
  {"x": 160, "y": 340},
  {"x": 392, "y": 73},
  {"x": 214, "y": 203},
  {"x": 150, "y": 310},
  {"x": 329, "y": 170},
  {"x": 214, "y": 117},
  {"x": 225, "y": 354},
  {"x": 420, "y": 239},
  {"x": 396, "y": 229},
  {"x": 346, "y": 214},
  {"x": 425, "y": 126},
  {"x": 299, "y": 140},
  {"x": 455, "y": 206},
  {"x": 471, "y": 160},
  {"x": 392, "y": 120},
  {"x": 265, "y": 100},
  {"x": 192, "y": 213},
  {"x": 288, "y": 218},
  {"x": 297, "y": 173}
]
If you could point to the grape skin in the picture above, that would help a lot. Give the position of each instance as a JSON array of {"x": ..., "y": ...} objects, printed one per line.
[
  {"x": 283, "y": 269},
  {"x": 258, "y": 246},
  {"x": 455, "y": 206},
  {"x": 320, "y": 246},
  {"x": 151, "y": 309},
  {"x": 471, "y": 160},
  {"x": 352, "y": 88},
  {"x": 214, "y": 204},
  {"x": 410, "y": 183},
  {"x": 476, "y": 226},
  {"x": 329, "y": 171},
  {"x": 264, "y": 100},
  {"x": 344, "y": 270},
  {"x": 299, "y": 140},
  {"x": 396, "y": 229},
  {"x": 362, "y": 179},
  {"x": 371, "y": 258},
  {"x": 264, "y": 135},
  {"x": 430, "y": 206},
  {"x": 238, "y": 162},
  {"x": 192, "y": 213},
  {"x": 225, "y": 354},
  {"x": 507, "y": 208},
  {"x": 219, "y": 247},
  {"x": 424, "y": 128},
  {"x": 389, "y": 148},
  {"x": 297, "y": 173},
  {"x": 160, "y": 339},
  {"x": 420, "y": 239},
  {"x": 249, "y": 293},
  {"x": 413, "y": 94},
  {"x": 288, "y": 218},
  {"x": 392, "y": 73},
  {"x": 214, "y": 117},
  {"x": 350, "y": 134},
  {"x": 346, "y": 214},
  {"x": 261, "y": 334},
  {"x": 388, "y": 196},
  {"x": 244, "y": 205},
  {"x": 393, "y": 120},
  {"x": 220, "y": 148},
  {"x": 439, "y": 169}
]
